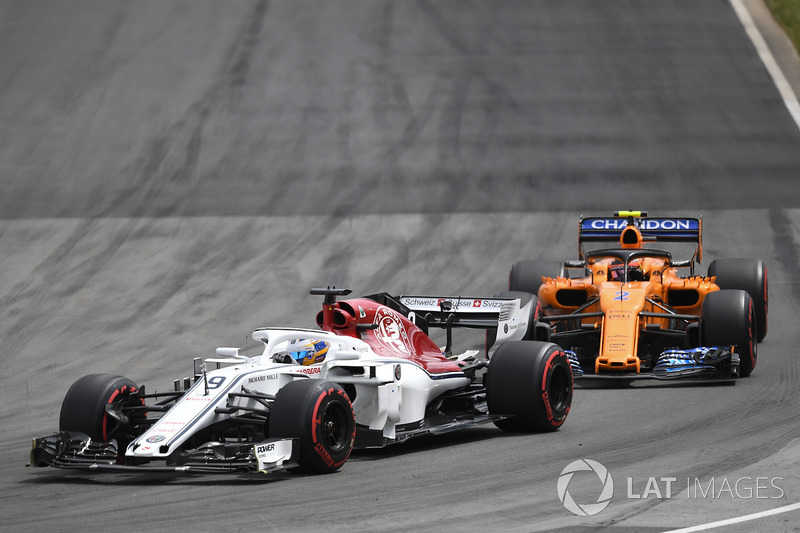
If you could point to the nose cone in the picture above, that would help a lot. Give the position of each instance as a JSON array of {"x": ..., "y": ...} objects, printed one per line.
[{"x": 621, "y": 304}]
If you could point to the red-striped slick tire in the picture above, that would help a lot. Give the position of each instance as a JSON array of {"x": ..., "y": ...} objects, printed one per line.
[
  {"x": 531, "y": 382},
  {"x": 84, "y": 407},
  {"x": 319, "y": 414}
]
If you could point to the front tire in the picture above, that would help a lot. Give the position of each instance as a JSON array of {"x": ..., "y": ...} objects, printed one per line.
[
  {"x": 319, "y": 414},
  {"x": 532, "y": 382},
  {"x": 729, "y": 318},
  {"x": 748, "y": 275},
  {"x": 84, "y": 408}
]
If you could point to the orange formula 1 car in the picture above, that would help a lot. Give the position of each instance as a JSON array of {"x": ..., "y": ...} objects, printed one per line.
[{"x": 635, "y": 312}]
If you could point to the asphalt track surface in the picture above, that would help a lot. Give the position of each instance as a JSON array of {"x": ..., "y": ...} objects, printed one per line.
[{"x": 177, "y": 173}]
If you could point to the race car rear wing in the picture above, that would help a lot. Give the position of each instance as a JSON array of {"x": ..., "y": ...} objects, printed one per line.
[
  {"x": 509, "y": 317},
  {"x": 662, "y": 229},
  {"x": 467, "y": 312}
]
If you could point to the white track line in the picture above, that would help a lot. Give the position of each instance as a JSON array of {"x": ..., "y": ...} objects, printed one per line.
[
  {"x": 788, "y": 95},
  {"x": 790, "y": 100},
  {"x": 738, "y": 520}
]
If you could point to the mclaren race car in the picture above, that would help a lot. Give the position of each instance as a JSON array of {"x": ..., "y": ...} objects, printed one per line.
[
  {"x": 633, "y": 311},
  {"x": 369, "y": 377}
]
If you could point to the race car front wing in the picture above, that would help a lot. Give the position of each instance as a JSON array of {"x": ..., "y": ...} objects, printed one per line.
[
  {"x": 75, "y": 450},
  {"x": 703, "y": 362}
]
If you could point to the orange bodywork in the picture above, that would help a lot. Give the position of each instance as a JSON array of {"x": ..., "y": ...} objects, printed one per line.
[{"x": 620, "y": 309}]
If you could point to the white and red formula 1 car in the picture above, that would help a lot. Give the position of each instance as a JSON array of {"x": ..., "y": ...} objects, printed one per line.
[{"x": 369, "y": 377}]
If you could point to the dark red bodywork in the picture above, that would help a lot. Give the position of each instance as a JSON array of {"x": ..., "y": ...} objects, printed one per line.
[{"x": 387, "y": 332}]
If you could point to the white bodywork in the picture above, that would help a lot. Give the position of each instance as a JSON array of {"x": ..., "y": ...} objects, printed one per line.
[{"x": 390, "y": 391}]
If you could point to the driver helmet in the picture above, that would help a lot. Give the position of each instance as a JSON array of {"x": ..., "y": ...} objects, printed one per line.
[
  {"x": 307, "y": 352},
  {"x": 617, "y": 272}
]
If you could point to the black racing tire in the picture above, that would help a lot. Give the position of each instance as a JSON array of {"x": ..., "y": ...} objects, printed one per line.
[
  {"x": 526, "y": 276},
  {"x": 533, "y": 317},
  {"x": 532, "y": 382},
  {"x": 748, "y": 275},
  {"x": 319, "y": 414},
  {"x": 729, "y": 318},
  {"x": 84, "y": 408}
]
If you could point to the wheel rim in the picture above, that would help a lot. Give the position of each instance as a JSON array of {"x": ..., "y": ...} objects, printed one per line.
[
  {"x": 558, "y": 390},
  {"x": 123, "y": 432},
  {"x": 335, "y": 427}
]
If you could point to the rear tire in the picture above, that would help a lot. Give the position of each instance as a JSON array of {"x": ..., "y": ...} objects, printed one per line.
[
  {"x": 526, "y": 276},
  {"x": 319, "y": 414},
  {"x": 748, "y": 275},
  {"x": 84, "y": 408},
  {"x": 532, "y": 381},
  {"x": 729, "y": 318}
]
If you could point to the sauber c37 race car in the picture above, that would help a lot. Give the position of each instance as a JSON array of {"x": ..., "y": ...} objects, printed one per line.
[
  {"x": 633, "y": 311},
  {"x": 369, "y": 377}
]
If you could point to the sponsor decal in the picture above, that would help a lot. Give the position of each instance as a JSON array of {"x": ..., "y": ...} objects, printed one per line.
[
  {"x": 622, "y": 296},
  {"x": 263, "y": 377},
  {"x": 608, "y": 223},
  {"x": 546, "y": 400},
  {"x": 619, "y": 315},
  {"x": 308, "y": 370},
  {"x": 397, "y": 372},
  {"x": 466, "y": 303},
  {"x": 421, "y": 302},
  {"x": 462, "y": 304},
  {"x": 170, "y": 429},
  {"x": 651, "y": 224},
  {"x": 265, "y": 448},
  {"x": 681, "y": 225},
  {"x": 322, "y": 452},
  {"x": 361, "y": 312},
  {"x": 271, "y": 453},
  {"x": 391, "y": 331},
  {"x": 551, "y": 416},
  {"x": 156, "y": 438}
]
